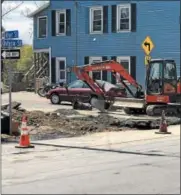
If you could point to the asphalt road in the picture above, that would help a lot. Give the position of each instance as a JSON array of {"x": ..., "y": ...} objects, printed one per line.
[
  {"x": 147, "y": 167},
  {"x": 32, "y": 101}
]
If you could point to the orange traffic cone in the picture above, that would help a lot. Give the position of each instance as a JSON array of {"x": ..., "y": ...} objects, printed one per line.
[
  {"x": 163, "y": 125},
  {"x": 24, "y": 141}
]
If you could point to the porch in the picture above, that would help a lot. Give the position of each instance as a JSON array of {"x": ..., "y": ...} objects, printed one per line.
[{"x": 40, "y": 69}]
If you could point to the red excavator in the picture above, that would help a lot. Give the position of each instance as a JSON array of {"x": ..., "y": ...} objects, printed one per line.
[{"x": 162, "y": 87}]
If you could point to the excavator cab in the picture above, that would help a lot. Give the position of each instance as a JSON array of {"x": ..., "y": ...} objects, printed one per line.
[{"x": 161, "y": 77}]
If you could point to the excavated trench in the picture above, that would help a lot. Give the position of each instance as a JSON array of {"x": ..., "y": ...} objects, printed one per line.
[{"x": 70, "y": 123}]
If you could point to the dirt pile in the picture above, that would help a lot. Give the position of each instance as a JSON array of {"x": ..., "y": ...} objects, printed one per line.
[{"x": 59, "y": 124}]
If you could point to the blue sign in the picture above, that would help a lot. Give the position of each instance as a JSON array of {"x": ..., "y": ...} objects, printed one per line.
[
  {"x": 9, "y": 43},
  {"x": 13, "y": 34}
]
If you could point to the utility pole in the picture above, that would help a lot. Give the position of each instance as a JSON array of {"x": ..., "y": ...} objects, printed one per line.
[{"x": 10, "y": 97}]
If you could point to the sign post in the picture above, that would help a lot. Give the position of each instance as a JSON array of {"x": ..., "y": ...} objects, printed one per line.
[
  {"x": 10, "y": 98},
  {"x": 10, "y": 52},
  {"x": 147, "y": 59},
  {"x": 147, "y": 46}
]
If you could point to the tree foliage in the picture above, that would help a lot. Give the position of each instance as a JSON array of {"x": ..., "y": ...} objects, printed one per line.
[{"x": 26, "y": 60}]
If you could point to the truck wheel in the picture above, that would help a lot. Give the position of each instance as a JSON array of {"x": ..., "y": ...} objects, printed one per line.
[{"x": 55, "y": 99}]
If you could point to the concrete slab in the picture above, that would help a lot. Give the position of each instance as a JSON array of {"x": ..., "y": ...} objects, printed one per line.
[{"x": 113, "y": 138}]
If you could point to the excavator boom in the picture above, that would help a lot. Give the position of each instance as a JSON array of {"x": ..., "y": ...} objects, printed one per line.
[
  {"x": 82, "y": 72},
  {"x": 110, "y": 66}
]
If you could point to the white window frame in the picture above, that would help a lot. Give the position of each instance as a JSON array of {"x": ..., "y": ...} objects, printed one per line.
[
  {"x": 58, "y": 70},
  {"x": 57, "y": 22},
  {"x": 92, "y": 9},
  {"x": 39, "y": 17},
  {"x": 118, "y": 17},
  {"x": 119, "y": 58},
  {"x": 91, "y": 59}
]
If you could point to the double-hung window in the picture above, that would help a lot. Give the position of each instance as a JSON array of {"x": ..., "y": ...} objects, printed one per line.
[
  {"x": 42, "y": 27},
  {"x": 95, "y": 74},
  {"x": 125, "y": 62},
  {"x": 96, "y": 20},
  {"x": 61, "y": 22},
  {"x": 123, "y": 18}
]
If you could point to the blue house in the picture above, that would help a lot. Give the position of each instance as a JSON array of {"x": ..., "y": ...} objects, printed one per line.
[{"x": 81, "y": 32}]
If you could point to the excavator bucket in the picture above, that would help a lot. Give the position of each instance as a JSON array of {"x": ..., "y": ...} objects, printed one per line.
[
  {"x": 129, "y": 102},
  {"x": 98, "y": 103}
]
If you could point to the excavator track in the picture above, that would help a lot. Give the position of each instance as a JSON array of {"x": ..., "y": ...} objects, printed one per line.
[
  {"x": 134, "y": 111},
  {"x": 156, "y": 110}
]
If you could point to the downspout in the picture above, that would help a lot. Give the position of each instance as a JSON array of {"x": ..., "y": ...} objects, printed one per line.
[
  {"x": 50, "y": 65},
  {"x": 76, "y": 34}
]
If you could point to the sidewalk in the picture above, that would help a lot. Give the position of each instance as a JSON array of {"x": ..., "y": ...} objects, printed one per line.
[{"x": 113, "y": 138}]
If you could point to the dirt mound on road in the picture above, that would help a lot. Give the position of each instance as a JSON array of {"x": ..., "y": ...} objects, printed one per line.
[
  {"x": 66, "y": 112},
  {"x": 59, "y": 123}
]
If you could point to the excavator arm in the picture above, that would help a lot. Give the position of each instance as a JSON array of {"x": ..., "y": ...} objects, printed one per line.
[
  {"x": 109, "y": 65},
  {"x": 82, "y": 73},
  {"x": 84, "y": 76}
]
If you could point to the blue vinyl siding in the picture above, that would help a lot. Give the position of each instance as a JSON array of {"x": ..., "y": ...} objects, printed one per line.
[{"x": 157, "y": 19}]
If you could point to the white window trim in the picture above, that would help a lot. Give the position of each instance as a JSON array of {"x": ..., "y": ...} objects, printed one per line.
[
  {"x": 118, "y": 17},
  {"x": 58, "y": 70},
  {"x": 119, "y": 58},
  {"x": 41, "y": 50},
  {"x": 91, "y": 20},
  {"x": 57, "y": 22},
  {"x": 91, "y": 58},
  {"x": 38, "y": 26}
]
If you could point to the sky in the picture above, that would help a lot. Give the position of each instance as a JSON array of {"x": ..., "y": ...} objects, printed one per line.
[{"x": 16, "y": 20}]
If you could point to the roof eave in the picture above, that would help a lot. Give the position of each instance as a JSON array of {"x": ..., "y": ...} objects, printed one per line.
[{"x": 46, "y": 5}]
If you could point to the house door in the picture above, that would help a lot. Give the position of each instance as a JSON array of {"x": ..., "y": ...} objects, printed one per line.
[
  {"x": 95, "y": 74},
  {"x": 61, "y": 70}
]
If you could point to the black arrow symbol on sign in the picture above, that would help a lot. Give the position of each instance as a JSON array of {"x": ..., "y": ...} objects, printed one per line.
[{"x": 147, "y": 44}]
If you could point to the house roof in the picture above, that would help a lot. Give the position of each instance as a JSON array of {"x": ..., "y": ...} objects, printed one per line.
[{"x": 41, "y": 8}]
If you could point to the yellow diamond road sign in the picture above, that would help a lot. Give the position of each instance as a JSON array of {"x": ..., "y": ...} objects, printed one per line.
[{"x": 147, "y": 45}]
